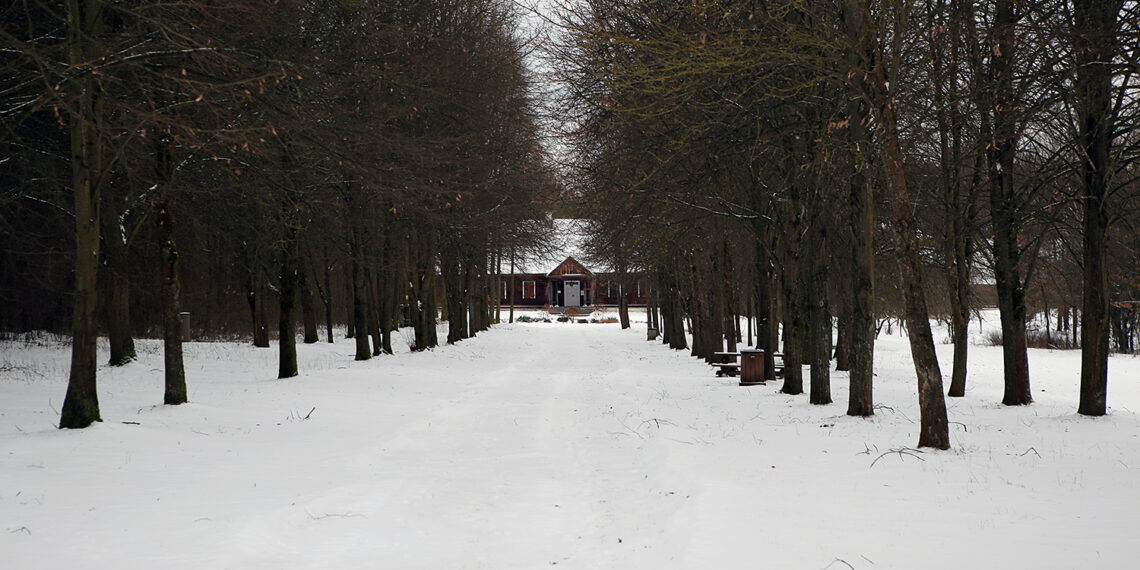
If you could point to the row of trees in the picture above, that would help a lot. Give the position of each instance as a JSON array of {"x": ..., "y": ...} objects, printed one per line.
[
  {"x": 840, "y": 159},
  {"x": 233, "y": 158}
]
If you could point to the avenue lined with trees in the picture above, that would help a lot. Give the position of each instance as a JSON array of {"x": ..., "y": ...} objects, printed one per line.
[
  {"x": 802, "y": 162},
  {"x": 821, "y": 168},
  {"x": 259, "y": 158}
]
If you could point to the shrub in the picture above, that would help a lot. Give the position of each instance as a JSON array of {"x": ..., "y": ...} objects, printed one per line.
[
  {"x": 1037, "y": 339},
  {"x": 1057, "y": 341}
]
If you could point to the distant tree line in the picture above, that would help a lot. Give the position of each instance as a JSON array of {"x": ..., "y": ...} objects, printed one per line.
[
  {"x": 827, "y": 163},
  {"x": 260, "y": 164}
]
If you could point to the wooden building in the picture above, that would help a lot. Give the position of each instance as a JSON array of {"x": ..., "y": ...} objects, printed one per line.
[{"x": 570, "y": 284}]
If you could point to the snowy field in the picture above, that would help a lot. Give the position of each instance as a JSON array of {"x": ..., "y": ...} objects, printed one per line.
[{"x": 556, "y": 444}]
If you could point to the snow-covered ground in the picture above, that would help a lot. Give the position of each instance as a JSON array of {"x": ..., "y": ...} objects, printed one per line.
[{"x": 541, "y": 444}]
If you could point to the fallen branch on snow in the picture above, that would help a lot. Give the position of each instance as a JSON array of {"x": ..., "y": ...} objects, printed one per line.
[{"x": 901, "y": 452}]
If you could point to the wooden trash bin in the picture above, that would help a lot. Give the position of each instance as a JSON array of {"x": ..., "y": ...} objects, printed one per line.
[{"x": 751, "y": 367}]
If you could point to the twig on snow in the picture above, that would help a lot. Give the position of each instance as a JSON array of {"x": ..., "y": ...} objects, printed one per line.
[
  {"x": 631, "y": 430},
  {"x": 893, "y": 411},
  {"x": 332, "y": 515},
  {"x": 841, "y": 561},
  {"x": 1027, "y": 452},
  {"x": 901, "y": 452}
]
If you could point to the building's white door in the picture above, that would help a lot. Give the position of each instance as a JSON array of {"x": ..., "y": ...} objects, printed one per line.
[{"x": 572, "y": 293}]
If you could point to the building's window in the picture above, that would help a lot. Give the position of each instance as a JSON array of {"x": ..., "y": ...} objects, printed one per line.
[{"x": 528, "y": 289}]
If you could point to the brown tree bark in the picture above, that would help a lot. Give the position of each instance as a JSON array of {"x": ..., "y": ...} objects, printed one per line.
[
  {"x": 325, "y": 293},
  {"x": 623, "y": 305},
  {"x": 375, "y": 314},
  {"x": 1095, "y": 39},
  {"x": 792, "y": 277},
  {"x": 118, "y": 301},
  {"x": 934, "y": 429},
  {"x": 360, "y": 308},
  {"x": 308, "y": 308},
  {"x": 860, "y": 202},
  {"x": 453, "y": 296},
  {"x": 819, "y": 325},
  {"x": 81, "y": 404},
  {"x": 728, "y": 301},
  {"x": 350, "y": 305},
  {"x": 1003, "y": 206},
  {"x": 422, "y": 291},
  {"x": 286, "y": 317},
  {"x": 255, "y": 286},
  {"x": 960, "y": 206},
  {"x": 175, "y": 370},
  {"x": 765, "y": 319}
]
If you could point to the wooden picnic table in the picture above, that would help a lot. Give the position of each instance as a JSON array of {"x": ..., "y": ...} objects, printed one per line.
[{"x": 728, "y": 363}]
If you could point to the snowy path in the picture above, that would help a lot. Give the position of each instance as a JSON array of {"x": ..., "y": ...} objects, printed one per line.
[{"x": 565, "y": 445}]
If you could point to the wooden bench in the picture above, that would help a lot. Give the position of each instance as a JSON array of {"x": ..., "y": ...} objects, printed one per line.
[
  {"x": 727, "y": 363},
  {"x": 727, "y": 368}
]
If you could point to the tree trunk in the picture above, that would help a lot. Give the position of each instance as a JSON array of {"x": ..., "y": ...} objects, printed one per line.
[
  {"x": 820, "y": 330},
  {"x": 860, "y": 401},
  {"x": 728, "y": 305},
  {"x": 957, "y": 251},
  {"x": 175, "y": 392},
  {"x": 375, "y": 314},
  {"x": 843, "y": 340},
  {"x": 81, "y": 404},
  {"x": 326, "y": 299},
  {"x": 934, "y": 429},
  {"x": 360, "y": 308},
  {"x": 792, "y": 283},
  {"x": 623, "y": 307},
  {"x": 256, "y": 289},
  {"x": 308, "y": 309},
  {"x": 1010, "y": 289},
  {"x": 350, "y": 296},
  {"x": 511, "y": 288},
  {"x": 286, "y": 318},
  {"x": 1095, "y": 27},
  {"x": 423, "y": 307},
  {"x": 118, "y": 307},
  {"x": 453, "y": 296},
  {"x": 389, "y": 302},
  {"x": 793, "y": 368},
  {"x": 765, "y": 320}
]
